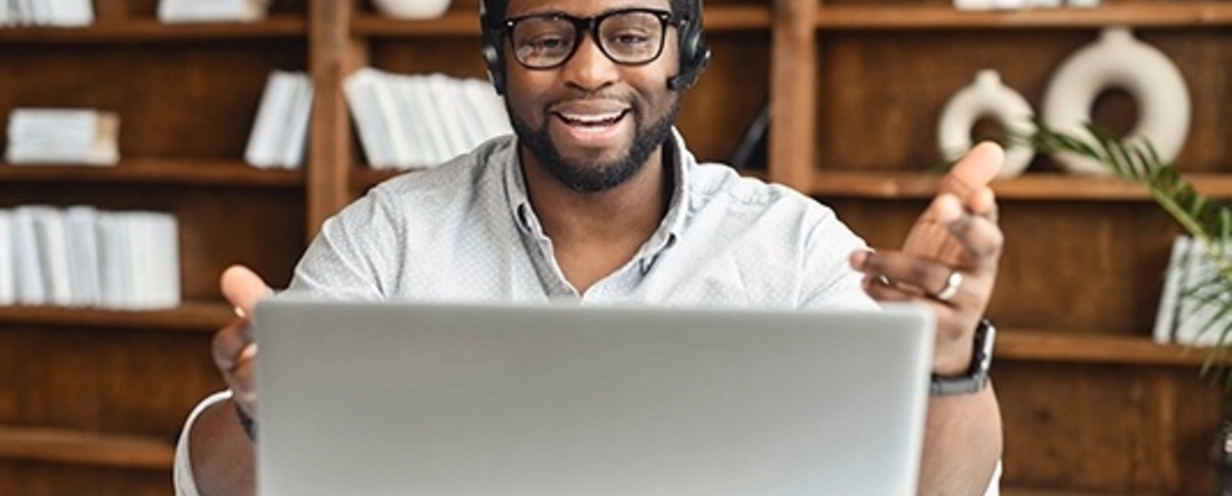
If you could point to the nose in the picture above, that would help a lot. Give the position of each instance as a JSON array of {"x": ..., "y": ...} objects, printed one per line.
[{"x": 589, "y": 69}]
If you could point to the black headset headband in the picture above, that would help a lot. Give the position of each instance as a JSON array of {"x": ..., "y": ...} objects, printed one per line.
[{"x": 694, "y": 52}]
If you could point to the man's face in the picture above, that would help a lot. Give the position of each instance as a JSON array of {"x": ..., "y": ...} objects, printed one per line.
[{"x": 592, "y": 123}]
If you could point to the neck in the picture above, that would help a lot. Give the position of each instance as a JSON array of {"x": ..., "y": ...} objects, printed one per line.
[{"x": 626, "y": 214}]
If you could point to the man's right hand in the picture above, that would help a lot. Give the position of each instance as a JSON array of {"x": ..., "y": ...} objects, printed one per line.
[{"x": 235, "y": 352}]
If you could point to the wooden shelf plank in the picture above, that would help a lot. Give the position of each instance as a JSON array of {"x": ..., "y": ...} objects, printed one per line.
[
  {"x": 466, "y": 23},
  {"x": 453, "y": 23},
  {"x": 135, "y": 30},
  {"x": 738, "y": 18},
  {"x": 156, "y": 171},
  {"x": 85, "y": 448},
  {"x": 1140, "y": 15},
  {"x": 910, "y": 185},
  {"x": 188, "y": 317},
  {"x": 1072, "y": 347}
]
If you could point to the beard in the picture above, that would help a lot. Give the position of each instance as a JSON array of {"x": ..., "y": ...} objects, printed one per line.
[{"x": 593, "y": 177}]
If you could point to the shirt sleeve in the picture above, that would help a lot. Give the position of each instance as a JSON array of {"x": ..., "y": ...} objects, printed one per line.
[{"x": 182, "y": 473}]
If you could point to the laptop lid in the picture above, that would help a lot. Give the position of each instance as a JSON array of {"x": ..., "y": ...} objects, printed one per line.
[{"x": 413, "y": 398}]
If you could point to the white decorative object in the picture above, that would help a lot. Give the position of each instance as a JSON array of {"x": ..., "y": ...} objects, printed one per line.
[
  {"x": 1118, "y": 60},
  {"x": 412, "y": 9},
  {"x": 1083, "y": 4},
  {"x": 973, "y": 4},
  {"x": 987, "y": 97}
]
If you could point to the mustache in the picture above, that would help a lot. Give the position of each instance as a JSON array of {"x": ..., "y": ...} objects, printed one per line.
[{"x": 633, "y": 103}]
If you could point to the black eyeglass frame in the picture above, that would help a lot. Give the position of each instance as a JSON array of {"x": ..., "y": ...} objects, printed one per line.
[{"x": 590, "y": 25}]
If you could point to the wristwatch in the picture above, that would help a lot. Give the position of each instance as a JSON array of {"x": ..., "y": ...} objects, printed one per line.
[{"x": 976, "y": 377}]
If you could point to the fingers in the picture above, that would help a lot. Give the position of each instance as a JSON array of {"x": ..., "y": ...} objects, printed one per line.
[
  {"x": 234, "y": 351},
  {"x": 979, "y": 240},
  {"x": 235, "y": 355},
  {"x": 908, "y": 277},
  {"x": 243, "y": 288},
  {"x": 974, "y": 171}
]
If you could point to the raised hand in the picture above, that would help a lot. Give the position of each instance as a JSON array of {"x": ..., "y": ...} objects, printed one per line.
[
  {"x": 949, "y": 260},
  {"x": 235, "y": 352}
]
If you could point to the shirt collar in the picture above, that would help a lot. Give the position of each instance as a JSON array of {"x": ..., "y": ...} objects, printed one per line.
[{"x": 663, "y": 238}]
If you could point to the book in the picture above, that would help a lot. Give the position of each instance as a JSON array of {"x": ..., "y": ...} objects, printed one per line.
[
  {"x": 27, "y": 262},
  {"x": 63, "y": 136},
  {"x": 280, "y": 129},
  {"x": 1198, "y": 319},
  {"x": 415, "y": 121},
  {"x": 1166, "y": 315},
  {"x": 173, "y": 11},
  {"x": 83, "y": 265},
  {"x": 53, "y": 254},
  {"x": 8, "y": 276}
]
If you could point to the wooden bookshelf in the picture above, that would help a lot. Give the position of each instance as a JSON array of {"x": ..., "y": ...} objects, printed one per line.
[
  {"x": 142, "y": 30},
  {"x": 189, "y": 316},
  {"x": 85, "y": 448},
  {"x": 157, "y": 171},
  {"x": 938, "y": 17},
  {"x": 1041, "y": 187}
]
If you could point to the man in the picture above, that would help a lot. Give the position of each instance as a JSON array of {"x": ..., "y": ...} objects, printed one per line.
[{"x": 599, "y": 201}]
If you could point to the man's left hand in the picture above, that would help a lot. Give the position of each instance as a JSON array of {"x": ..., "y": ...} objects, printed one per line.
[{"x": 949, "y": 261}]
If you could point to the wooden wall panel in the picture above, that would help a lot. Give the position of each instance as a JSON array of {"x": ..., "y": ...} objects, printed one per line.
[
  {"x": 175, "y": 99},
  {"x": 881, "y": 93},
  {"x": 262, "y": 228},
  {"x": 119, "y": 381},
  {"x": 1108, "y": 429},
  {"x": 728, "y": 97}
]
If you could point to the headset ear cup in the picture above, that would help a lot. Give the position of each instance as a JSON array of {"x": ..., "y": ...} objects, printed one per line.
[
  {"x": 694, "y": 55},
  {"x": 496, "y": 70},
  {"x": 491, "y": 49}
]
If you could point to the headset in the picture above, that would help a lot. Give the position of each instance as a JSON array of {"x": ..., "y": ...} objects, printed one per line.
[{"x": 694, "y": 51}]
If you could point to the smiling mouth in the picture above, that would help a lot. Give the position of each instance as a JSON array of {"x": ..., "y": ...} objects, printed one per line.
[{"x": 592, "y": 120}]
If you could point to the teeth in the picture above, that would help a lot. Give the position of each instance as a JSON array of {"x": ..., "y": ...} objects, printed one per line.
[{"x": 592, "y": 119}]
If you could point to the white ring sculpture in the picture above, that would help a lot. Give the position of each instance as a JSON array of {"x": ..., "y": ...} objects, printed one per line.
[
  {"x": 987, "y": 97},
  {"x": 1118, "y": 60}
]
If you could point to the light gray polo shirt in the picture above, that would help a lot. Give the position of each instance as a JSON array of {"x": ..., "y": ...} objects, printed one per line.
[{"x": 466, "y": 231}]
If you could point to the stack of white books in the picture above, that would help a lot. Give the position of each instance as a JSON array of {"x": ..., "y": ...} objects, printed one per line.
[
  {"x": 63, "y": 136},
  {"x": 1189, "y": 308},
  {"x": 82, "y": 257},
  {"x": 410, "y": 122},
  {"x": 280, "y": 130},
  {"x": 57, "y": 13},
  {"x": 173, "y": 11}
]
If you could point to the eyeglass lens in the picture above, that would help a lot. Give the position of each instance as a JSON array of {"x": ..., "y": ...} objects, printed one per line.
[{"x": 627, "y": 37}]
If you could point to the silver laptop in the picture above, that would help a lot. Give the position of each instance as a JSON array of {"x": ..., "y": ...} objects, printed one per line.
[{"x": 431, "y": 399}]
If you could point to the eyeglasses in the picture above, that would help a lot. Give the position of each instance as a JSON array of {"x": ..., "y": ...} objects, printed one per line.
[{"x": 627, "y": 36}]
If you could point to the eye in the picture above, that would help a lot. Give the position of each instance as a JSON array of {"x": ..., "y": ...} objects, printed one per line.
[
  {"x": 629, "y": 38},
  {"x": 546, "y": 44}
]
